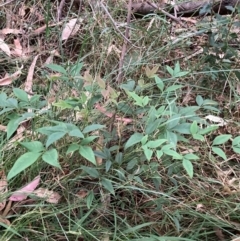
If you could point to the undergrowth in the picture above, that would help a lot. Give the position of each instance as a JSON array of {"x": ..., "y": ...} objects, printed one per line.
[{"x": 155, "y": 157}]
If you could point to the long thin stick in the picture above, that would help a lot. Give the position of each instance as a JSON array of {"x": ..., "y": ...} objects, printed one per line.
[{"x": 124, "y": 48}]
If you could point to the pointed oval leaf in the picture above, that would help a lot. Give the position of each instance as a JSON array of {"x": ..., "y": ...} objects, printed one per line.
[
  {"x": 188, "y": 167},
  {"x": 33, "y": 146},
  {"x": 156, "y": 143},
  {"x": 191, "y": 156},
  {"x": 22, "y": 163},
  {"x": 108, "y": 185},
  {"x": 20, "y": 94},
  {"x": 89, "y": 199},
  {"x": 12, "y": 126},
  {"x": 219, "y": 152},
  {"x": 208, "y": 129},
  {"x": 134, "y": 139},
  {"x": 88, "y": 139},
  {"x": 194, "y": 128},
  {"x": 87, "y": 153},
  {"x": 236, "y": 141},
  {"x": 93, "y": 128},
  {"x": 199, "y": 100},
  {"x": 221, "y": 139},
  {"x": 57, "y": 68},
  {"x": 72, "y": 148},
  {"x": 148, "y": 152},
  {"x": 93, "y": 172},
  {"x": 236, "y": 150},
  {"x": 54, "y": 137},
  {"x": 198, "y": 137},
  {"x": 173, "y": 154},
  {"x": 76, "y": 133},
  {"x": 51, "y": 157},
  {"x": 173, "y": 88}
]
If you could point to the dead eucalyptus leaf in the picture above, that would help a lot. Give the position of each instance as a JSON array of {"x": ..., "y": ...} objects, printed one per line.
[
  {"x": 71, "y": 28},
  {"x": 4, "y": 47},
  {"x": 3, "y": 189},
  {"x": 48, "y": 195},
  {"x": 8, "y": 79}
]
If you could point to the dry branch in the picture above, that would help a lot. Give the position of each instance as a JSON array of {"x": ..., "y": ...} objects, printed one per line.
[{"x": 186, "y": 9}]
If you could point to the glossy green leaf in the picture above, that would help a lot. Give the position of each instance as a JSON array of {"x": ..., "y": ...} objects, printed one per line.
[
  {"x": 208, "y": 129},
  {"x": 156, "y": 143},
  {"x": 51, "y": 157},
  {"x": 159, "y": 83},
  {"x": 22, "y": 163},
  {"x": 173, "y": 88},
  {"x": 76, "y": 133},
  {"x": 20, "y": 94},
  {"x": 72, "y": 148},
  {"x": 194, "y": 128},
  {"x": 183, "y": 128},
  {"x": 199, "y": 100},
  {"x": 134, "y": 139},
  {"x": 191, "y": 156},
  {"x": 236, "y": 150},
  {"x": 236, "y": 141},
  {"x": 108, "y": 185},
  {"x": 170, "y": 70},
  {"x": 198, "y": 137},
  {"x": 57, "y": 68},
  {"x": 144, "y": 140},
  {"x": 33, "y": 146},
  {"x": 88, "y": 139},
  {"x": 145, "y": 100},
  {"x": 87, "y": 153},
  {"x": 219, "y": 152},
  {"x": 108, "y": 165},
  {"x": 48, "y": 130},
  {"x": 63, "y": 105},
  {"x": 221, "y": 139},
  {"x": 173, "y": 121},
  {"x": 93, "y": 172},
  {"x": 12, "y": 126},
  {"x": 54, "y": 137},
  {"x": 188, "y": 167},
  {"x": 89, "y": 199},
  {"x": 137, "y": 98},
  {"x": 159, "y": 154},
  {"x": 181, "y": 74},
  {"x": 148, "y": 152},
  {"x": 93, "y": 127},
  {"x": 173, "y": 154}
]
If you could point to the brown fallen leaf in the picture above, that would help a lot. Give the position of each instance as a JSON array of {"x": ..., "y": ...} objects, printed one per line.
[
  {"x": 4, "y": 47},
  {"x": 53, "y": 53},
  {"x": 219, "y": 234},
  {"x": 5, "y": 221},
  {"x": 18, "y": 50},
  {"x": 3, "y": 128},
  {"x": 3, "y": 189},
  {"x": 82, "y": 193},
  {"x": 8, "y": 79},
  {"x": 23, "y": 192},
  {"x": 236, "y": 239},
  {"x": 29, "y": 83},
  {"x": 10, "y": 31},
  {"x": 71, "y": 28},
  {"x": 48, "y": 195}
]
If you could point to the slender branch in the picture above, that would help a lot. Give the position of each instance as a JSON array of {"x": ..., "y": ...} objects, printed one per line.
[{"x": 124, "y": 48}]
